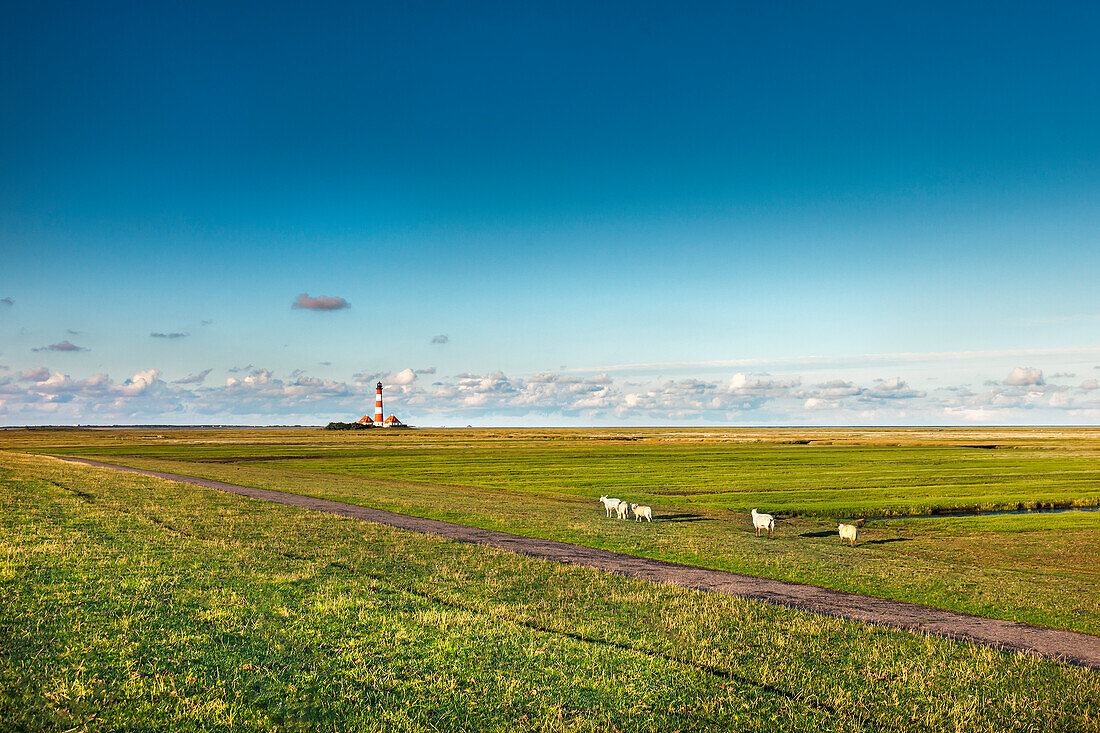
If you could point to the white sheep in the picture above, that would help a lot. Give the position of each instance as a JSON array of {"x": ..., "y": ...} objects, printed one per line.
[
  {"x": 642, "y": 511},
  {"x": 623, "y": 509},
  {"x": 609, "y": 505},
  {"x": 763, "y": 521},
  {"x": 848, "y": 532}
]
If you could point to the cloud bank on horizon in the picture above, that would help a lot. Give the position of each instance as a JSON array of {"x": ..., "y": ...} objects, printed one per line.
[{"x": 1023, "y": 396}]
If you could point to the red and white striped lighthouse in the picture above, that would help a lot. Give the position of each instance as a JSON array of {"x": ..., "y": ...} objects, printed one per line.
[{"x": 378, "y": 406}]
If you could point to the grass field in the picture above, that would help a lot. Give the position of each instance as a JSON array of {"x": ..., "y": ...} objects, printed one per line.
[
  {"x": 1042, "y": 569},
  {"x": 134, "y": 603},
  {"x": 818, "y": 472}
]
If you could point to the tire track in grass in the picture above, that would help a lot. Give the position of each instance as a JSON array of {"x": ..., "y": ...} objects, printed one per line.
[{"x": 1070, "y": 647}]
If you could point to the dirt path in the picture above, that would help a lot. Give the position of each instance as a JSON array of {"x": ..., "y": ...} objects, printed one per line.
[{"x": 1066, "y": 646}]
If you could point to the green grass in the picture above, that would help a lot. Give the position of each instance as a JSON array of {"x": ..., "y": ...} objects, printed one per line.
[
  {"x": 1040, "y": 569},
  {"x": 139, "y": 604},
  {"x": 835, "y": 473}
]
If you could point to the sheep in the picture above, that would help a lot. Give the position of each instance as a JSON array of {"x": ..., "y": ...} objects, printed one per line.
[
  {"x": 609, "y": 505},
  {"x": 623, "y": 508},
  {"x": 849, "y": 533},
  {"x": 763, "y": 521},
  {"x": 642, "y": 511}
]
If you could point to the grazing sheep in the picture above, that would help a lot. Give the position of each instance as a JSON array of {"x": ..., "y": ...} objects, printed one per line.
[
  {"x": 849, "y": 533},
  {"x": 609, "y": 505},
  {"x": 623, "y": 509},
  {"x": 642, "y": 511},
  {"x": 763, "y": 521}
]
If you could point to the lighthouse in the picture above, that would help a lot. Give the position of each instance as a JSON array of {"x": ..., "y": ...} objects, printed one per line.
[{"x": 378, "y": 418}]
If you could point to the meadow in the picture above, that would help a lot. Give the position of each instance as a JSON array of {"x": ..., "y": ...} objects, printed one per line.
[
  {"x": 132, "y": 603},
  {"x": 812, "y": 472},
  {"x": 1039, "y": 568}
]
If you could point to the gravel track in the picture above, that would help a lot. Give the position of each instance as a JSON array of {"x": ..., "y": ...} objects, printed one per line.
[{"x": 1065, "y": 646}]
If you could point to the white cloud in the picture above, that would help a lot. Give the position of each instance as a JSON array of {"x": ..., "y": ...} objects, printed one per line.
[
  {"x": 262, "y": 393},
  {"x": 1024, "y": 377},
  {"x": 894, "y": 389},
  {"x": 972, "y": 414},
  {"x": 96, "y": 380},
  {"x": 838, "y": 388},
  {"x": 38, "y": 374},
  {"x": 138, "y": 383},
  {"x": 403, "y": 377},
  {"x": 1060, "y": 400}
]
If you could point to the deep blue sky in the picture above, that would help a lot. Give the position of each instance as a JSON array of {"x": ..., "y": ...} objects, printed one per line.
[{"x": 554, "y": 187}]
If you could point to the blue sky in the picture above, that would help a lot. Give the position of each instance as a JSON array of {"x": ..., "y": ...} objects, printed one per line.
[{"x": 544, "y": 214}]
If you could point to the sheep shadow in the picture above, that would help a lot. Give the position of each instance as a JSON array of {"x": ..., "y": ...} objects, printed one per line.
[
  {"x": 683, "y": 518},
  {"x": 833, "y": 533}
]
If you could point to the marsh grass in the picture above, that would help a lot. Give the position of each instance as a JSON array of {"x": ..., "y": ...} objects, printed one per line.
[
  {"x": 135, "y": 603},
  {"x": 1040, "y": 569},
  {"x": 829, "y": 473}
]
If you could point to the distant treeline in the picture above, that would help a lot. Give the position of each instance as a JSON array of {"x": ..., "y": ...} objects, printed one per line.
[{"x": 348, "y": 426}]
